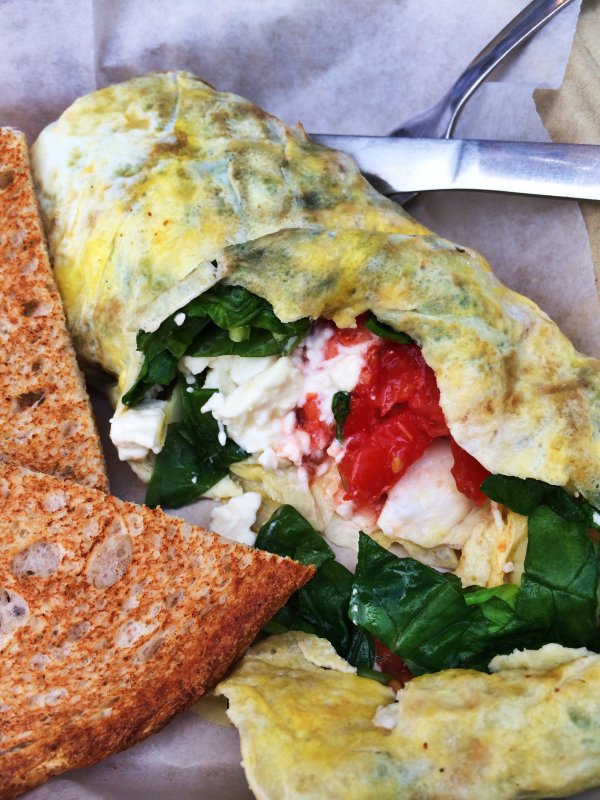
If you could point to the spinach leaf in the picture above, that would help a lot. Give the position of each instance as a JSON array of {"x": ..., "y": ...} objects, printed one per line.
[
  {"x": 497, "y": 604},
  {"x": 340, "y": 405},
  {"x": 430, "y": 621},
  {"x": 380, "y": 677},
  {"x": 419, "y": 613},
  {"x": 162, "y": 350},
  {"x": 558, "y": 596},
  {"x": 192, "y": 459},
  {"x": 524, "y": 495},
  {"x": 385, "y": 331},
  {"x": 215, "y": 341},
  {"x": 288, "y": 533},
  {"x": 323, "y": 603},
  {"x": 321, "y": 607},
  {"x": 225, "y": 320}
]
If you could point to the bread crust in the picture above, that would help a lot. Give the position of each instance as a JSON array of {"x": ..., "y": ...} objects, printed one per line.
[
  {"x": 113, "y": 618},
  {"x": 45, "y": 413}
]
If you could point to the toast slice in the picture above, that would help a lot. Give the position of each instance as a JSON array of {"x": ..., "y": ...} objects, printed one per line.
[
  {"x": 113, "y": 617},
  {"x": 45, "y": 414}
]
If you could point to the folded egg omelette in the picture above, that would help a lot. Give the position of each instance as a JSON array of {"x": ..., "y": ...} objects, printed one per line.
[
  {"x": 311, "y": 728},
  {"x": 209, "y": 255}
]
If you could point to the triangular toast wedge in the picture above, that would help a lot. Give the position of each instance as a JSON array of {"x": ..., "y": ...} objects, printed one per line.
[
  {"x": 113, "y": 617},
  {"x": 45, "y": 413}
]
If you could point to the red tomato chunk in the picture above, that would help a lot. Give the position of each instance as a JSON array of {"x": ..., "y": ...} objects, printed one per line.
[
  {"x": 468, "y": 474},
  {"x": 391, "y": 664},
  {"x": 394, "y": 416},
  {"x": 309, "y": 419},
  {"x": 375, "y": 458}
]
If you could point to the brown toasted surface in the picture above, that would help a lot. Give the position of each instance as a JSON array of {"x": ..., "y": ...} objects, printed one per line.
[
  {"x": 113, "y": 617},
  {"x": 45, "y": 414}
]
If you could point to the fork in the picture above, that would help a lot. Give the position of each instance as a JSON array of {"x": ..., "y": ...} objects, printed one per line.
[{"x": 440, "y": 119}]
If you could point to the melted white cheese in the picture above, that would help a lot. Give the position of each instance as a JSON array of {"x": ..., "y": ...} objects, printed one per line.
[
  {"x": 235, "y": 518},
  {"x": 425, "y": 507},
  {"x": 137, "y": 431}
]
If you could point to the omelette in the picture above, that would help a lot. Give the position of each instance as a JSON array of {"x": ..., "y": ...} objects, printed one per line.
[
  {"x": 286, "y": 340},
  {"x": 529, "y": 729}
]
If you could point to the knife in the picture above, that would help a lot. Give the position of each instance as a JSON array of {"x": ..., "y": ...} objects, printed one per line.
[{"x": 395, "y": 164}]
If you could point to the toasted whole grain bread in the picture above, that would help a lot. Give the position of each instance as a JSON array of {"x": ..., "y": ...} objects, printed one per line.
[
  {"x": 113, "y": 617},
  {"x": 45, "y": 413}
]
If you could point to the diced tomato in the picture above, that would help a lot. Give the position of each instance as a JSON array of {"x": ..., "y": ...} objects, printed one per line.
[
  {"x": 309, "y": 420},
  {"x": 405, "y": 377},
  {"x": 394, "y": 415},
  {"x": 391, "y": 664},
  {"x": 468, "y": 474},
  {"x": 364, "y": 409},
  {"x": 377, "y": 457}
]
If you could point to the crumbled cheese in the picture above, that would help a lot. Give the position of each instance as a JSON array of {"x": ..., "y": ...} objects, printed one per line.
[
  {"x": 179, "y": 319},
  {"x": 256, "y": 403},
  {"x": 304, "y": 478},
  {"x": 222, "y": 434},
  {"x": 137, "y": 431},
  {"x": 268, "y": 459},
  {"x": 326, "y": 377},
  {"x": 256, "y": 398},
  {"x": 345, "y": 509},
  {"x": 235, "y": 518},
  {"x": 194, "y": 365},
  {"x": 226, "y": 373},
  {"x": 336, "y": 451},
  {"x": 387, "y": 716},
  {"x": 322, "y": 468},
  {"x": 596, "y": 517}
]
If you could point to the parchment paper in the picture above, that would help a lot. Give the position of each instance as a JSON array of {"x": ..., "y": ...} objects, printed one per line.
[
  {"x": 572, "y": 112},
  {"x": 341, "y": 66}
]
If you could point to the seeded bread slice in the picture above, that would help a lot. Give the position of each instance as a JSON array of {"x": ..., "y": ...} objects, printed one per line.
[
  {"x": 113, "y": 617},
  {"x": 45, "y": 414}
]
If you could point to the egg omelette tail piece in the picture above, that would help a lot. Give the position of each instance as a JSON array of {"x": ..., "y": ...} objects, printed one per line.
[
  {"x": 514, "y": 391},
  {"x": 142, "y": 182},
  {"x": 531, "y": 729},
  {"x": 113, "y": 617},
  {"x": 45, "y": 412}
]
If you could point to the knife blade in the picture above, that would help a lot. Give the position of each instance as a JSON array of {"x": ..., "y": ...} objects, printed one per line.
[{"x": 396, "y": 164}]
